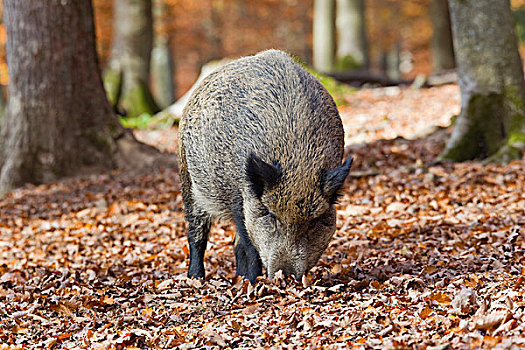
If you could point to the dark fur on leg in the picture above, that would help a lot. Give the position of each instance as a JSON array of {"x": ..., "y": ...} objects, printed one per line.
[
  {"x": 249, "y": 264},
  {"x": 199, "y": 228},
  {"x": 199, "y": 224}
]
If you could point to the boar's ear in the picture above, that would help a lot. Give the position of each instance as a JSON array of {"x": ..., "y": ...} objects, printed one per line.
[
  {"x": 332, "y": 180},
  {"x": 261, "y": 175}
]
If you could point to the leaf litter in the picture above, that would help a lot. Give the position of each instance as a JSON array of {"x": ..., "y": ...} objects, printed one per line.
[{"x": 426, "y": 256}]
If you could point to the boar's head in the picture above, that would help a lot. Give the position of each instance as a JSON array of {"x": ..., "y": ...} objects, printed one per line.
[{"x": 290, "y": 215}]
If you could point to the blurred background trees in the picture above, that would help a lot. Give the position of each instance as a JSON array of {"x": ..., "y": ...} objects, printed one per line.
[
  {"x": 442, "y": 47},
  {"x": 127, "y": 72},
  {"x": 352, "y": 42},
  {"x": 162, "y": 65},
  {"x": 204, "y": 30},
  {"x": 323, "y": 35},
  {"x": 199, "y": 31},
  {"x": 152, "y": 51}
]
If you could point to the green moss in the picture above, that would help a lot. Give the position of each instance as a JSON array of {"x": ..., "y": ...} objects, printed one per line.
[
  {"x": 465, "y": 149},
  {"x": 163, "y": 119},
  {"x": 496, "y": 124},
  {"x": 517, "y": 138},
  {"x": 140, "y": 122},
  {"x": 113, "y": 85},
  {"x": 482, "y": 124},
  {"x": 138, "y": 100},
  {"x": 338, "y": 90},
  {"x": 489, "y": 115},
  {"x": 454, "y": 120},
  {"x": 516, "y": 126},
  {"x": 504, "y": 155},
  {"x": 348, "y": 63},
  {"x": 519, "y": 18}
]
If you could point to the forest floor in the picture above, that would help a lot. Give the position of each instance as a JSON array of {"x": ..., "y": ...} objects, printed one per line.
[{"x": 426, "y": 256}]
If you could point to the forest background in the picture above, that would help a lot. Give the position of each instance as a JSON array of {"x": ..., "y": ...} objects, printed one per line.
[{"x": 205, "y": 30}]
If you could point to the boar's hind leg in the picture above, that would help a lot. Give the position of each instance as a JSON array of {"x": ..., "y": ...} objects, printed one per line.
[
  {"x": 249, "y": 263},
  {"x": 199, "y": 224}
]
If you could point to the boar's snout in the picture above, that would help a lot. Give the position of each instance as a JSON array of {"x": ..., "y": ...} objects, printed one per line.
[{"x": 293, "y": 265}]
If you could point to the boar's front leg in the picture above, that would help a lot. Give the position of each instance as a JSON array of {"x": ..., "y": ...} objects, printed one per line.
[
  {"x": 249, "y": 263},
  {"x": 199, "y": 225}
]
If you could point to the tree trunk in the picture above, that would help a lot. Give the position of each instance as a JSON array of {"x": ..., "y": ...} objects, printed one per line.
[
  {"x": 3, "y": 105},
  {"x": 127, "y": 75},
  {"x": 212, "y": 26},
  {"x": 492, "y": 118},
  {"x": 162, "y": 70},
  {"x": 393, "y": 61},
  {"x": 442, "y": 47},
  {"x": 58, "y": 121},
  {"x": 323, "y": 35},
  {"x": 352, "y": 44}
]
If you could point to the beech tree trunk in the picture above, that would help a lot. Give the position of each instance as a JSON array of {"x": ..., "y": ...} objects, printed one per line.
[
  {"x": 162, "y": 70},
  {"x": 492, "y": 119},
  {"x": 352, "y": 46},
  {"x": 58, "y": 121},
  {"x": 323, "y": 35},
  {"x": 211, "y": 23},
  {"x": 3, "y": 105},
  {"x": 442, "y": 47},
  {"x": 127, "y": 75}
]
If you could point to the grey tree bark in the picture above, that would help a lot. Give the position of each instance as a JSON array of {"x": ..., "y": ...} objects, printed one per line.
[
  {"x": 58, "y": 121},
  {"x": 442, "y": 47},
  {"x": 492, "y": 118},
  {"x": 127, "y": 75},
  {"x": 162, "y": 65},
  {"x": 323, "y": 35},
  {"x": 212, "y": 26},
  {"x": 3, "y": 105},
  {"x": 352, "y": 45}
]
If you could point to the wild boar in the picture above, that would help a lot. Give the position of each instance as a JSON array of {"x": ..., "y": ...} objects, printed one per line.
[{"x": 261, "y": 144}]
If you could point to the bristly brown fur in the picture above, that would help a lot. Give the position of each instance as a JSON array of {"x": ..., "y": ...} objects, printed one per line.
[{"x": 263, "y": 107}]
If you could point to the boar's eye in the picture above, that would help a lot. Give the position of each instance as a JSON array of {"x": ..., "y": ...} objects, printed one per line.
[
  {"x": 262, "y": 210},
  {"x": 271, "y": 217},
  {"x": 265, "y": 212},
  {"x": 268, "y": 221}
]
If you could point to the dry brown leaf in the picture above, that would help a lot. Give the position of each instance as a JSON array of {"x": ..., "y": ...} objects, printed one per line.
[
  {"x": 490, "y": 321},
  {"x": 441, "y": 298},
  {"x": 425, "y": 312}
]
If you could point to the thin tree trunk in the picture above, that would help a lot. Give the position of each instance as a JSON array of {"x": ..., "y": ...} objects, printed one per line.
[
  {"x": 323, "y": 33},
  {"x": 442, "y": 47},
  {"x": 306, "y": 31},
  {"x": 212, "y": 30},
  {"x": 3, "y": 105},
  {"x": 162, "y": 66},
  {"x": 127, "y": 75},
  {"x": 352, "y": 45},
  {"x": 58, "y": 121},
  {"x": 162, "y": 71},
  {"x": 492, "y": 119},
  {"x": 393, "y": 60}
]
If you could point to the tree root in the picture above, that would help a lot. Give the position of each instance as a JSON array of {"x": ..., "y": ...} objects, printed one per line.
[
  {"x": 504, "y": 155},
  {"x": 137, "y": 157}
]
